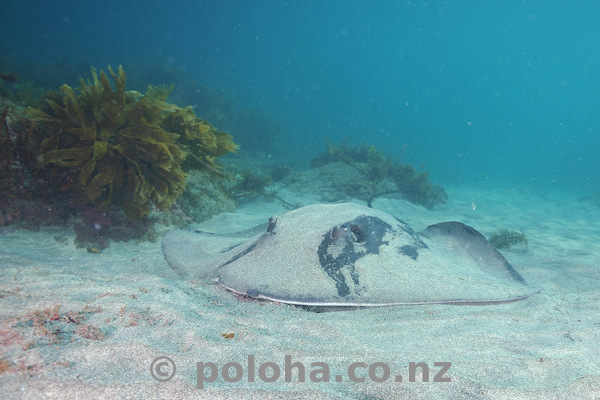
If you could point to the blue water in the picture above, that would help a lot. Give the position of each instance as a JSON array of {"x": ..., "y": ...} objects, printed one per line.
[{"x": 480, "y": 92}]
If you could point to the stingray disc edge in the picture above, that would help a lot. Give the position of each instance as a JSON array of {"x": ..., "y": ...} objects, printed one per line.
[{"x": 351, "y": 306}]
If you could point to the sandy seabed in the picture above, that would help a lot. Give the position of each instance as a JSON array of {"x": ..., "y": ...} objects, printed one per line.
[{"x": 77, "y": 325}]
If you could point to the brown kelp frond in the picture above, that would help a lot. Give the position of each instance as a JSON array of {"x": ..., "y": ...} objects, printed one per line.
[
  {"x": 505, "y": 239},
  {"x": 127, "y": 147},
  {"x": 376, "y": 168}
]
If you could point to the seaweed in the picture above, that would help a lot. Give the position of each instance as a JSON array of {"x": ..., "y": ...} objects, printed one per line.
[
  {"x": 8, "y": 76},
  {"x": 250, "y": 184},
  {"x": 280, "y": 171},
  {"x": 375, "y": 168},
  {"x": 203, "y": 142},
  {"x": 127, "y": 149},
  {"x": 505, "y": 239}
]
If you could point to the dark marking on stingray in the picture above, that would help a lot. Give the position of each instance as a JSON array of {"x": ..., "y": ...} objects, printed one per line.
[
  {"x": 410, "y": 251},
  {"x": 240, "y": 255},
  {"x": 344, "y": 244},
  {"x": 229, "y": 248},
  {"x": 248, "y": 250}
]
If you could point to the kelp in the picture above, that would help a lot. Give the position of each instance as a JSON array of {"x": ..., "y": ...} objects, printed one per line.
[
  {"x": 203, "y": 142},
  {"x": 376, "y": 167},
  {"x": 505, "y": 239},
  {"x": 127, "y": 148},
  {"x": 250, "y": 184}
]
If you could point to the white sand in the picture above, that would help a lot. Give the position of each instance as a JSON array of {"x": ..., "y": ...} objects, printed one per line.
[{"x": 81, "y": 325}]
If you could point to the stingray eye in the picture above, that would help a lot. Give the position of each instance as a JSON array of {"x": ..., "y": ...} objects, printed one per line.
[
  {"x": 338, "y": 232},
  {"x": 358, "y": 233}
]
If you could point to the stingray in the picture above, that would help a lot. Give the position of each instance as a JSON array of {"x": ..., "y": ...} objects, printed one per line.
[{"x": 345, "y": 256}]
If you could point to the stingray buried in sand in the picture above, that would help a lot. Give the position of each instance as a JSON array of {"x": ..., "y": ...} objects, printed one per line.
[{"x": 347, "y": 256}]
